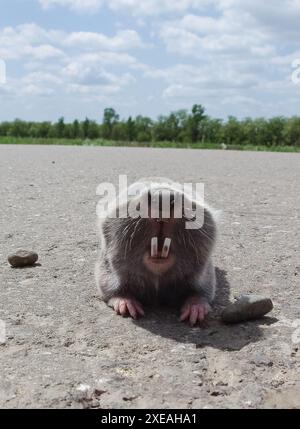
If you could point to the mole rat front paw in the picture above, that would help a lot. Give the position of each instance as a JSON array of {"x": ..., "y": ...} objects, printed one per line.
[
  {"x": 194, "y": 310},
  {"x": 126, "y": 307}
]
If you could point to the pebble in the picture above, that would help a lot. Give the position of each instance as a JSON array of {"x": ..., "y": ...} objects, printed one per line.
[
  {"x": 23, "y": 258},
  {"x": 247, "y": 307}
]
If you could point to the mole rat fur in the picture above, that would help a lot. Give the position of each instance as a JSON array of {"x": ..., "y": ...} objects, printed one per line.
[{"x": 126, "y": 269}]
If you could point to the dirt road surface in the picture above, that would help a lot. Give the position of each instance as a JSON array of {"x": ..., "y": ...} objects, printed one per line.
[{"x": 64, "y": 348}]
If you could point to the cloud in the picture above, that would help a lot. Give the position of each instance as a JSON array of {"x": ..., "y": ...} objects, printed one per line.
[
  {"x": 282, "y": 16},
  {"x": 234, "y": 56},
  {"x": 246, "y": 27},
  {"x": 241, "y": 48},
  {"x": 123, "y": 40},
  {"x": 32, "y": 40},
  {"x": 134, "y": 7},
  {"x": 75, "y": 77},
  {"x": 108, "y": 58},
  {"x": 94, "y": 75},
  {"x": 76, "y": 5},
  {"x": 218, "y": 76},
  {"x": 28, "y": 40},
  {"x": 157, "y": 7},
  {"x": 43, "y": 52},
  {"x": 50, "y": 65},
  {"x": 197, "y": 36}
]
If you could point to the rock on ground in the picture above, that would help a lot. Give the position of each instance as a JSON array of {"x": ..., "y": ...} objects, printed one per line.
[
  {"x": 22, "y": 258},
  {"x": 64, "y": 348},
  {"x": 246, "y": 308}
]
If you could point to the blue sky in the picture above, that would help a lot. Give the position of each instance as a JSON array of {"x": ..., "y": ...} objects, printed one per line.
[{"x": 73, "y": 58}]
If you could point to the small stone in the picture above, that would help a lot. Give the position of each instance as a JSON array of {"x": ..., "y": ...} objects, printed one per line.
[
  {"x": 22, "y": 258},
  {"x": 247, "y": 307},
  {"x": 82, "y": 393}
]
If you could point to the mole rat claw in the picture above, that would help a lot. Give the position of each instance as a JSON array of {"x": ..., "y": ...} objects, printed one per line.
[
  {"x": 194, "y": 310},
  {"x": 126, "y": 307}
]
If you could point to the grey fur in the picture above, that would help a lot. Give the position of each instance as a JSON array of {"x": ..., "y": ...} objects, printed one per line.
[{"x": 120, "y": 270}]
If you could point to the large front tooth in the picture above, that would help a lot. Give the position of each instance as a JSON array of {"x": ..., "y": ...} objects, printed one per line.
[
  {"x": 166, "y": 248},
  {"x": 154, "y": 247}
]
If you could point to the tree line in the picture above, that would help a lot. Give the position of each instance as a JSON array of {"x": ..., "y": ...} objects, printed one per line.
[{"x": 181, "y": 126}]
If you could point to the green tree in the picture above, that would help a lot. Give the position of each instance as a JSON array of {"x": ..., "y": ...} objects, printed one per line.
[
  {"x": 160, "y": 129},
  {"x": 85, "y": 128},
  {"x": 5, "y": 128},
  {"x": 20, "y": 128},
  {"x": 211, "y": 130},
  {"x": 291, "y": 132},
  {"x": 276, "y": 126},
  {"x": 143, "y": 128},
  {"x": 194, "y": 122},
  {"x": 130, "y": 129},
  {"x": 110, "y": 118},
  {"x": 232, "y": 132},
  {"x": 93, "y": 130},
  {"x": 76, "y": 129},
  {"x": 60, "y": 128}
]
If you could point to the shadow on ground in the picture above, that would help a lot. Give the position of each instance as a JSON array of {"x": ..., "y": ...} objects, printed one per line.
[{"x": 165, "y": 323}]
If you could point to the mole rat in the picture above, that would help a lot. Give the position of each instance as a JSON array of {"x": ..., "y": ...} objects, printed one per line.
[{"x": 156, "y": 259}]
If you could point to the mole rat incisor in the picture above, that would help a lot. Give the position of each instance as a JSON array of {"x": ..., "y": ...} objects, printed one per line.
[{"x": 157, "y": 259}]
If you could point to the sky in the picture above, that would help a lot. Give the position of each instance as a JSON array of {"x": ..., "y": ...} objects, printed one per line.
[{"x": 73, "y": 58}]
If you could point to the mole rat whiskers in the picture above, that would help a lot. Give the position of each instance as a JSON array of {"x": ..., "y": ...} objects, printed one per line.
[
  {"x": 125, "y": 237},
  {"x": 136, "y": 227}
]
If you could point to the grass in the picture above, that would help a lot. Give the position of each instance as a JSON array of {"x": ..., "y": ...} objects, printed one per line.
[{"x": 102, "y": 142}]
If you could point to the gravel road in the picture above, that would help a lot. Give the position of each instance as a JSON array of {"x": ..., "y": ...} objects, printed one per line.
[{"x": 64, "y": 348}]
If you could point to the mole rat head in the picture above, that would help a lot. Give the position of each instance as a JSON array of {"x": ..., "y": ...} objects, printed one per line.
[{"x": 155, "y": 236}]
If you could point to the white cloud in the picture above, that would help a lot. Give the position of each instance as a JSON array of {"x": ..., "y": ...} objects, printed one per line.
[
  {"x": 231, "y": 55},
  {"x": 73, "y": 78},
  {"x": 42, "y": 52},
  {"x": 76, "y": 5},
  {"x": 278, "y": 13},
  {"x": 123, "y": 40},
  {"x": 216, "y": 76},
  {"x": 94, "y": 75},
  {"x": 97, "y": 67},
  {"x": 134, "y": 7},
  {"x": 241, "y": 48},
  {"x": 31, "y": 40},
  {"x": 28, "y": 40},
  {"x": 108, "y": 58},
  {"x": 156, "y": 7},
  {"x": 197, "y": 36}
]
